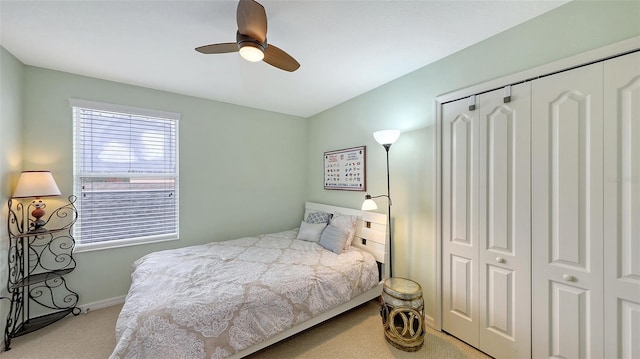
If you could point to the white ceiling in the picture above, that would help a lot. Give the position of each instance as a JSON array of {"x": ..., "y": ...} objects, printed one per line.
[{"x": 345, "y": 48}]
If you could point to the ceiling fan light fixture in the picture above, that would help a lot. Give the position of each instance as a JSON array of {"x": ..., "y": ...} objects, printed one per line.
[
  {"x": 251, "y": 52},
  {"x": 251, "y": 39}
]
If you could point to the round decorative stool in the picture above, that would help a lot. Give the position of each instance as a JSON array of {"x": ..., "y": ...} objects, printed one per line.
[{"x": 402, "y": 314}]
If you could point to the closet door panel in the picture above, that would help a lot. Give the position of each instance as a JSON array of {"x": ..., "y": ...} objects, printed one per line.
[
  {"x": 622, "y": 206},
  {"x": 504, "y": 223},
  {"x": 568, "y": 332},
  {"x": 461, "y": 284},
  {"x": 462, "y": 151},
  {"x": 628, "y": 321},
  {"x": 499, "y": 307},
  {"x": 567, "y": 211},
  {"x": 459, "y": 221},
  {"x": 569, "y": 191}
]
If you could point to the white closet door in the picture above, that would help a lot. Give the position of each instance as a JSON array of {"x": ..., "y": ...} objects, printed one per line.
[
  {"x": 504, "y": 223},
  {"x": 567, "y": 214},
  {"x": 460, "y": 221},
  {"x": 622, "y": 207}
]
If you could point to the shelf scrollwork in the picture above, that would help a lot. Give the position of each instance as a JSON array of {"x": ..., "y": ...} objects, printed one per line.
[{"x": 38, "y": 259}]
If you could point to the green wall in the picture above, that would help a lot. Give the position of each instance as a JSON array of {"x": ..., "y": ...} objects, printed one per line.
[
  {"x": 229, "y": 170},
  {"x": 11, "y": 109},
  {"x": 11, "y": 105},
  {"x": 408, "y": 104}
]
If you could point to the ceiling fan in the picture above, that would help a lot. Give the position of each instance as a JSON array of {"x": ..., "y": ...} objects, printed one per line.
[{"x": 251, "y": 39}]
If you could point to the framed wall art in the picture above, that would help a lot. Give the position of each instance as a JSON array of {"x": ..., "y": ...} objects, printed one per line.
[{"x": 345, "y": 169}]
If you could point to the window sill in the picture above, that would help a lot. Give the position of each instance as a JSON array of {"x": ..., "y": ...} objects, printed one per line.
[{"x": 96, "y": 246}]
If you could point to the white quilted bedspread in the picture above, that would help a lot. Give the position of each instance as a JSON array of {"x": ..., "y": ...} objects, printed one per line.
[{"x": 213, "y": 300}]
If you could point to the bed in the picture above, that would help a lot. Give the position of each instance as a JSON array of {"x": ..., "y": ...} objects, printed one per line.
[{"x": 232, "y": 298}]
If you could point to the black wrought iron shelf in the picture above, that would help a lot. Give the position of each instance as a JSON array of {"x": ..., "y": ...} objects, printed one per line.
[
  {"x": 40, "y": 277},
  {"x": 38, "y": 262},
  {"x": 33, "y": 324}
]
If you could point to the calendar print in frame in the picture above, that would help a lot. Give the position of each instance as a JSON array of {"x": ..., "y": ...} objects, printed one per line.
[{"x": 345, "y": 169}]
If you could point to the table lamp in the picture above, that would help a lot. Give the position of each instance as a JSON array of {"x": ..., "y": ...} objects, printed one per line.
[{"x": 36, "y": 184}]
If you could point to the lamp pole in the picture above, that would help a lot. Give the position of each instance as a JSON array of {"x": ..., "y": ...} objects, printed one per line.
[
  {"x": 386, "y": 138},
  {"x": 386, "y": 147}
]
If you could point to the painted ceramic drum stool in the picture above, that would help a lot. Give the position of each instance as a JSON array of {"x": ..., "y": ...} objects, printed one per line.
[{"x": 402, "y": 314}]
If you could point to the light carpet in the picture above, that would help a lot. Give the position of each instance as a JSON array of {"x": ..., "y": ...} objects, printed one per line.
[{"x": 357, "y": 333}]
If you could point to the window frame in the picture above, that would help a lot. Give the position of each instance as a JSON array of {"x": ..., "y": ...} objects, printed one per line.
[{"x": 129, "y": 110}]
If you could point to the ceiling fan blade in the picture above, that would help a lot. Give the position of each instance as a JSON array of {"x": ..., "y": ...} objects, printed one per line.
[
  {"x": 218, "y": 48},
  {"x": 280, "y": 59},
  {"x": 252, "y": 20}
]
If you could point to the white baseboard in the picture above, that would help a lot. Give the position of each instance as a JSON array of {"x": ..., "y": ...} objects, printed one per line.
[
  {"x": 428, "y": 320},
  {"x": 105, "y": 303}
]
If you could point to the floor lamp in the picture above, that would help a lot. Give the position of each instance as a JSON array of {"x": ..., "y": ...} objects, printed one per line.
[{"x": 386, "y": 138}]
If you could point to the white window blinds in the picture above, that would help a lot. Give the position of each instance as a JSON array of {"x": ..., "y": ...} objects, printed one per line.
[{"x": 125, "y": 174}]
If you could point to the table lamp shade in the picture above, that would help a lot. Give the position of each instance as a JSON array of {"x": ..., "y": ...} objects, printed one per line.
[{"x": 36, "y": 184}]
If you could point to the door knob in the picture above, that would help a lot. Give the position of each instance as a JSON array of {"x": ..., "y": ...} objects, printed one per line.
[
  {"x": 569, "y": 278},
  {"x": 501, "y": 260}
]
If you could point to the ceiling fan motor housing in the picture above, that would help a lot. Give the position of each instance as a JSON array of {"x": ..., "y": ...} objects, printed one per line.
[{"x": 245, "y": 40}]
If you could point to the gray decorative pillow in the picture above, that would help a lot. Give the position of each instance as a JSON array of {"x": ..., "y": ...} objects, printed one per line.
[
  {"x": 334, "y": 239},
  {"x": 318, "y": 217},
  {"x": 346, "y": 223},
  {"x": 310, "y": 231}
]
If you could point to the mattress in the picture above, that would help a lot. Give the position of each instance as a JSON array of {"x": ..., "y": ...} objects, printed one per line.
[{"x": 213, "y": 300}]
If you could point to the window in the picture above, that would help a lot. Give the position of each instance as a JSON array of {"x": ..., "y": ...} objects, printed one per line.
[{"x": 125, "y": 175}]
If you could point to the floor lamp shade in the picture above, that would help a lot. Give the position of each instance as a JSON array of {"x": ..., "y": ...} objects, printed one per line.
[
  {"x": 386, "y": 137},
  {"x": 369, "y": 205}
]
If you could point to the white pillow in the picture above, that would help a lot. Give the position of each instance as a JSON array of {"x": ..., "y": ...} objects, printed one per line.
[
  {"x": 334, "y": 239},
  {"x": 347, "y": 223},
  {"x": 310, "y": 231}
]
